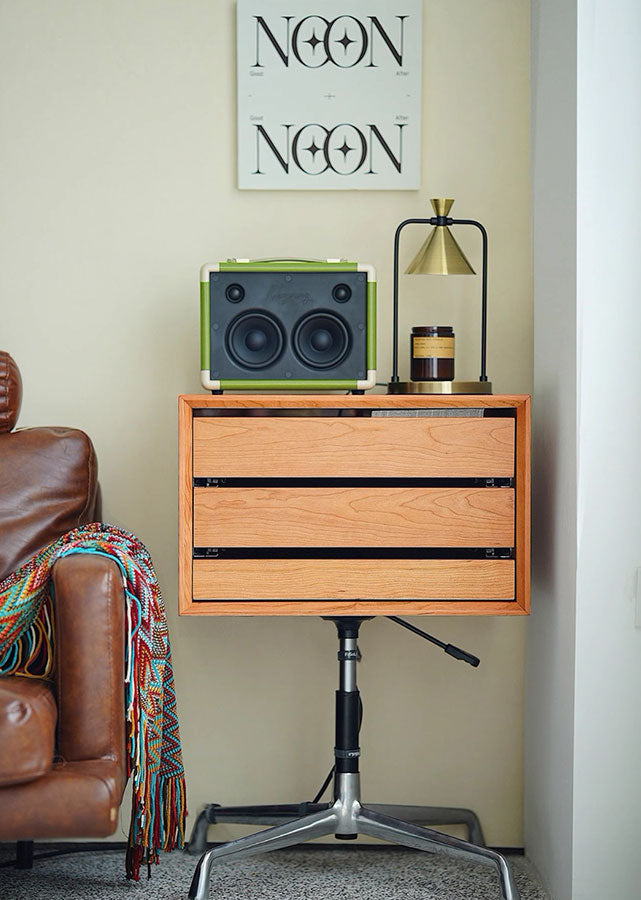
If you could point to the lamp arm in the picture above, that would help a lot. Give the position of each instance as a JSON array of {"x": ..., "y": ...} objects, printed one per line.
[
  {"x": 483, "y": 291},
  {"x": 397, "y": 239}
]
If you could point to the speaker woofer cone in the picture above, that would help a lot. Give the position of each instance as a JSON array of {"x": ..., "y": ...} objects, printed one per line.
[
  {"x": 321, "y": 340},
  {"x": 254, "y": 340}
]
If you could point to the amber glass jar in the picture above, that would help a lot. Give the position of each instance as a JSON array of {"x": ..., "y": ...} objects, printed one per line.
[{"x": 432, "y": 353}]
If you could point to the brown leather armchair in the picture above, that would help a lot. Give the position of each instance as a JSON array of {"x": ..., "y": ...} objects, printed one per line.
[{"x": 63, "y": 767}]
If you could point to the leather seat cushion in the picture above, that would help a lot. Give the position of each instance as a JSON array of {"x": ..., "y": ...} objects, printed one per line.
[
  {"x": 74, "y": 800},
  {"x": 27, "y": 729},
  {"x": 48, "y": 485}
]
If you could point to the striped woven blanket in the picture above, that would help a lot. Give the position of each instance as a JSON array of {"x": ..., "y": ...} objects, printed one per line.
[{"x": 153, "y": 740}]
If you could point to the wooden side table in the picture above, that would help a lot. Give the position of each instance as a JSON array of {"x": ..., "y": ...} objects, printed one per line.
[
  {"x": 354, "y": 505},
  {"x": 348, "y": 507}
]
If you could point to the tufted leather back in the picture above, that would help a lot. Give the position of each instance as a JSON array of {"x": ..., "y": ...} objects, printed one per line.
[
  {"x": 10, "y": 392},
  {"x": 48, "y": 478}
]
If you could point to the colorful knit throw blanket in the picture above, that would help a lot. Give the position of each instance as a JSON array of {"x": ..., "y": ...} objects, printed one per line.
[{"x": 153, "y": 739}]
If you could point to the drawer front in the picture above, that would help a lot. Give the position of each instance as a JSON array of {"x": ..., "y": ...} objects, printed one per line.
[
  {"x": 344, "y": 447},
  {"x": 353, "y": 579},
  {"x": 353, "y": 517}
]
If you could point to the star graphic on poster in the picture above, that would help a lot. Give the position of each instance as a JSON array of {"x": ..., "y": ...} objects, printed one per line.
[
  {"x": 345, "y": 149},
  {"x": 313, "y": 149},
  {"x": 345, "y": 41},
  {"x": 313, "y": 41}
]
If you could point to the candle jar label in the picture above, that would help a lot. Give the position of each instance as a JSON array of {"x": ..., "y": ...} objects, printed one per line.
[{"x": 439, "y": 347}]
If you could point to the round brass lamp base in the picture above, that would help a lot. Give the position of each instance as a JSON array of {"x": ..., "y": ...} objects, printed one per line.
[{"x": 439, "y": 387}]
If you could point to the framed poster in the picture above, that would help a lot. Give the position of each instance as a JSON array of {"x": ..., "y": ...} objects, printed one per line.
[{"x": 329, "y": 94}]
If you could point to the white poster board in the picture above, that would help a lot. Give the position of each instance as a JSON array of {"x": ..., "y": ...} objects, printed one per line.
[{"x": 329, "y": 94}]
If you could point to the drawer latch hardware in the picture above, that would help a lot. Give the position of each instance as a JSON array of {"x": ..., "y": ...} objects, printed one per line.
[
  {"x": 498, "y": 553},
  {"x": 498, "y": 482},
  {"x": 206, "y": 553}
]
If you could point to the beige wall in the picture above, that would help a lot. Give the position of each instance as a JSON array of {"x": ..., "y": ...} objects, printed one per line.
[{"x": 117, "y": 181}]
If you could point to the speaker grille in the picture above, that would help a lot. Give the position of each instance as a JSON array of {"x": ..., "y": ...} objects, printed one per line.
[{"x": 284, "y": 325}]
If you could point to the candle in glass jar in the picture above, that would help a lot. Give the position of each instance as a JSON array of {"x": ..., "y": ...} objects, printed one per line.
[{"x": 432, "y": 353}]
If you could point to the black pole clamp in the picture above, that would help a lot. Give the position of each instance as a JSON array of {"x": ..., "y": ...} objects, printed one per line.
[{"x": 347, "y": 754}]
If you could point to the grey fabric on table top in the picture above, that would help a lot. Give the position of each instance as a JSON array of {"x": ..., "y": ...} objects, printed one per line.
[{"x": 460, "y": 412}]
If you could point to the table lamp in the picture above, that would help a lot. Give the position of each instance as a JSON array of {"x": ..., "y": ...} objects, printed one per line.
[{"x": 441, "y": 255}]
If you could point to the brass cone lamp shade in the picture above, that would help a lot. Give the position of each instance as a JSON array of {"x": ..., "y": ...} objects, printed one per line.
[{"x": 440, "y": 254}]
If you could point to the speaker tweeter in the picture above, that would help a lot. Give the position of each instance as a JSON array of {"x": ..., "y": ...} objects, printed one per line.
[
  {"x": 235, "y": 293},
  {"x": 341, "y": 293}
]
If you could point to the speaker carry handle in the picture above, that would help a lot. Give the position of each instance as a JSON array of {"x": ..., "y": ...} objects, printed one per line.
[{"x": 287, "y": 259}]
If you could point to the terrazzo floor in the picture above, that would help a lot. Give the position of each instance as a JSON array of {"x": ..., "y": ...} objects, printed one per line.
[{"x": 302, "y": 873}]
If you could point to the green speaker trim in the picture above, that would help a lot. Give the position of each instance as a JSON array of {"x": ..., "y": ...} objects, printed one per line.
[
  {"x": 286, "y": 265},
  {"x": 371, "y": 325},
  {"x": 292, "y": 384},
  {"x": 204, "y": 325}
]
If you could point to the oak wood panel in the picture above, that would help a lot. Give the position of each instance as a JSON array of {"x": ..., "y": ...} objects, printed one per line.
[
  {"x": 351, "y": 579},
  {"x": 353, "y": 517},
  {"x": 523, "y": 511},
  {"x": 272, "y": 446}
]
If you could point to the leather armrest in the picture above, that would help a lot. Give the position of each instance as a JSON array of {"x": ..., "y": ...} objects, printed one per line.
[{"x": 90, "y": 619}]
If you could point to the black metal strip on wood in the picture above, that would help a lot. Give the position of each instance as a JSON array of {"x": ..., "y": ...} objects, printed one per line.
[
  {"x": 213, "y": 482},
  {"x": 244, "y": 600},
  {"x": 353, "y": 553},
  {"x": 349, "y": 412}
]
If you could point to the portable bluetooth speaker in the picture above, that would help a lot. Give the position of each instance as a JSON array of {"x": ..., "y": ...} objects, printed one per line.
[{"x": 287, "y": 325}]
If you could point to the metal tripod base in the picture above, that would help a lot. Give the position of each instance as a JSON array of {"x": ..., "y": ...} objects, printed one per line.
[
  {"x": 346, "y": 817},
  {"x": 276, "y": 814}
]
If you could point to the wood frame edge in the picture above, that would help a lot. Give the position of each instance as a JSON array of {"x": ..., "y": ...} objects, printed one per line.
[
  {"x": 185, "y": 511},
  {"x": 347, "y": 608}
]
